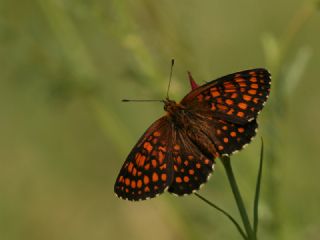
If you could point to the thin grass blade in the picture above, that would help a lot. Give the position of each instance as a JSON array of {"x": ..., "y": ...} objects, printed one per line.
[
  {"x": 224, "y": 213},
  {"x": 257, "y": 193}
]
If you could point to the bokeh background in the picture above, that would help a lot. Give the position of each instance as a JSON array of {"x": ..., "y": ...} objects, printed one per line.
[{"x": 64, "y": 133}]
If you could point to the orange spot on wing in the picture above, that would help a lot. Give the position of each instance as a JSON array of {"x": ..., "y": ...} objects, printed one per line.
[
  {"x": 178, "y": 179},
  {"x": 178, "y": 160},
  {"x": 242, "y": 84},
  {"x": 252, "y": 92},
  {"x": 226, "y": 140},
  {"x": 215, "y": 94},
  {"x": 163, "y": 149},
  {"x": 239, "y": 79},
  {"x": 133, "y": 184},
  {"x": 155, "y": 177},
  {"x": 121, "y": 179},
  {"x": 139, "y": 183},
  {"x": 240, "y": 130},
  {"x": 240, "y": 114},
  {"x": 200, "y": 98},
  {"x": 230, "y": 90},
  {"x": 156, "y": 134},
  {"x": 186, "y": 179},
  {"x": 161, "y": 157},
  {"x": 175, "y": 168},
  {"x": 229, "y": 101},
  {"x": 233, "y": 134},
  {"x": 176, "y": 147},
  {"x": 163, "y": 177},
  {"x": 134, "y": 172},
  {"x": 253, "y": 79},
  {"x": 252, "y": 73},
  {"x": 147, "y": 189},
  {"x": 146, "y": 180},
  {"x": 220, "y": 147},
  {"x": 127, "y": 181},
  {"x": 234, "y": 95},
  {"x": 246, "y": 97},
  {"x": 243, "y": 105},
  {"x": 154, "y": 163},
  {"x": 140, "y": 160},
  {"x": 198, "y": 165},
  {"x": 191, "y": 171},
  {"x": 213, "y": 107},
  {"x": 163, "y": 166},
  {"x": 130, "y": 167},
  {"x": 222, "y": 107},
  {"x": 230, "y": 111},
  {"x": 147, "y": 166},
  {"x": 148, "y": 146},
  {"x": 254, "y": 85}
]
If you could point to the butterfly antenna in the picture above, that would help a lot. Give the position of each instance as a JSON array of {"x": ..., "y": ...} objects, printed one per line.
[
  {"x": 141, "y": 100},
  {"x": 172, "y": 63}
]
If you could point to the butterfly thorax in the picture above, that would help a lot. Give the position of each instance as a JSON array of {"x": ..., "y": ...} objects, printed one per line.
[
  {"x": 171, "y": 106},
  {"x": 176, "y": 112}
]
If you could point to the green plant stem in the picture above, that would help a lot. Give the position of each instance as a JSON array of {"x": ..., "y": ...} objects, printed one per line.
[
  {"x": 223, "y": 212},
  {"x": 233, "y": 183},
  {"x": 257, "y": 193}
]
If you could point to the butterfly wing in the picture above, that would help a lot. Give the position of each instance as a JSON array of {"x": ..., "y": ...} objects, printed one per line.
[
  {"x": 191, "y": 167},
  {"x": 237, "y": 97},
  {"x": 147, "y": 170},
  {"x": 229, "y": 137}
]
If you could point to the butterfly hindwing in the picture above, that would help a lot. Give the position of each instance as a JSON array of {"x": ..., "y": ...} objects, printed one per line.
[
  {"x": 231, "y": 137},
  {"x": 237, "y": 97},
  {"x": 147, "y": 170},
  {"x": 191, "y": 167}
]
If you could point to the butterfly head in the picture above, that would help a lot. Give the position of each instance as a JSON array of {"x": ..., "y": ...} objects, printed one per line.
[{"x": 171, "y": 106}]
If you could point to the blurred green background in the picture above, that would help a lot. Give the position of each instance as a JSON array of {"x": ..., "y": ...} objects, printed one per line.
[{"x": 64, "y": 134}]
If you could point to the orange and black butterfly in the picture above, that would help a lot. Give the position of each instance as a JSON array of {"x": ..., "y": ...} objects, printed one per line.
[{"x": 177, "y": 152}]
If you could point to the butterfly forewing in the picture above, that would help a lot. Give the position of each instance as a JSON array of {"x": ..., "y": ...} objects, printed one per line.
[
  {"x": 147, "y": 170},
  {"x": 237, "y": 97},
  {"x": 191, "y": 166}
]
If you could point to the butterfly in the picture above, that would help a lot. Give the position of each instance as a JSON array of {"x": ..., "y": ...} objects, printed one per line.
[{"x": 177, "y": 152}]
